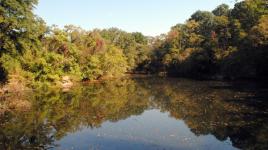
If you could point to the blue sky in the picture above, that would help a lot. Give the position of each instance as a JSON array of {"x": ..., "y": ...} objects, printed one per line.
[{"x": 151, "y": 17}]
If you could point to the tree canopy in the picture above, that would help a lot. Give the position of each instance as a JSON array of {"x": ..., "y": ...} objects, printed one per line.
[
  {"x": 229, "y": 43},
  {"x": 226, "y": 43}
]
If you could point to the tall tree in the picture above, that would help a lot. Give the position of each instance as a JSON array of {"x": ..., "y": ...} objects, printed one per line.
[
  {"x": 20, "y": 34},
  {"x": 221, "y": 10}
]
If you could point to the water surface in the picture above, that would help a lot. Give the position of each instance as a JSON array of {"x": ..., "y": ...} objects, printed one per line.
[{"x": 149, "y": 113}]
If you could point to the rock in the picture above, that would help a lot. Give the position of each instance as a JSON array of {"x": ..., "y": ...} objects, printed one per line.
[{"x": 66, "y": 82}]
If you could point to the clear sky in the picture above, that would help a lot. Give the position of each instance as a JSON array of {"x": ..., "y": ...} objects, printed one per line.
[{"x": 151, "y": 17}]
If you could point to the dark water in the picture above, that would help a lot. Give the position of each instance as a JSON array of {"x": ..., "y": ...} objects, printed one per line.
[{"x": 147, "y": 114}]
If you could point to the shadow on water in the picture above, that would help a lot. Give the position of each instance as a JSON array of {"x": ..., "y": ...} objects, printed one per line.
[
  {"x": 255, "y": 94},
  {"x": 229, "y": 111}
]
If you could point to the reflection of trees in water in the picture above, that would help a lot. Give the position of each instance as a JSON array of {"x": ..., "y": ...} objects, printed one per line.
[
  {"x": 206, "y": 107},
  {"x": 54, "y": 113},
  {"x": 219, "y": 109}
]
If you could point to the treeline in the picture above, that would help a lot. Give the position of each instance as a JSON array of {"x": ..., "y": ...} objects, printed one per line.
[
  {"x": 225, "y": 43},
  {"x": 33, "y": 52}
]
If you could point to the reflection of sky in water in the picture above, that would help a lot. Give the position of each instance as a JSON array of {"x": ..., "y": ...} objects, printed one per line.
[
  {"x": 151, "y": 130},
  {"x": 194, "y": 115}
]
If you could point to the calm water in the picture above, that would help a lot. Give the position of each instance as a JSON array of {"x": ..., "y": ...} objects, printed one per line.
[{"x": 142, "y": 114}]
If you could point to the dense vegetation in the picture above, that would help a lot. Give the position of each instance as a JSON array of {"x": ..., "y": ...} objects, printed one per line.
[
  {"x": 225, "y": 42},
  {"x": 32, "y": 52}
]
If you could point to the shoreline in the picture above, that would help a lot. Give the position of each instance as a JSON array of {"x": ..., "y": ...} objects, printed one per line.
[{"x": 67, "y": 83}]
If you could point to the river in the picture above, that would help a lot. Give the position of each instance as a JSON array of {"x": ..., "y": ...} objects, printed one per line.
[{"x": 141, "y": 113}]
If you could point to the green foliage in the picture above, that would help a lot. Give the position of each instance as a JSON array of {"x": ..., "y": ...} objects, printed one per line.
[
  {"x": 222, "y": 10},
  {"x": 20, "y": 35},
  {"x": 111, "y": 63},
  {"x": 114, "y": 63},
  {"x": 248, "y": 12},
  {"x": 92, "y": 69},
  {"x": 133, "y": 45},
  {"x": 42, "y": 54},
  {"x": 259, "y": 33},
  {"x": 139, "y": 38},
  {"x": 226, "y": 42},
  {"x": 229, "y": 43}
]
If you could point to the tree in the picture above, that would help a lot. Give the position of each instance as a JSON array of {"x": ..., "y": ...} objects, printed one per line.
[
  {"x": 20, "y": 35},
  {"x": 206, "y": 22},
  {"x": 248, "y": 12},
  {"x": 258, "y": 38},
  {"x": 221, "y": 10},
  {"x": 113, "y": 62},
  {"x": 139, "y": 38},
  {"x": 18, "y": 27},
  {"x": 259, "y": 33}
]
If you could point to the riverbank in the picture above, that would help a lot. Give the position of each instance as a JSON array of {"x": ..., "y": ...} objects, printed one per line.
[
  {"x": 19, "y": 85},
  {"x": 12, "y": 95}
]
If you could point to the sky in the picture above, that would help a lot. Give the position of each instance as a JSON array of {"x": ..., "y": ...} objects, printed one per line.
[{"x": 151, "y": 17}]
